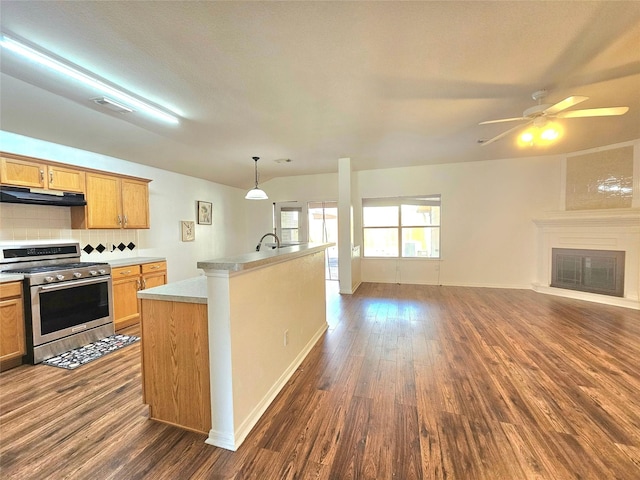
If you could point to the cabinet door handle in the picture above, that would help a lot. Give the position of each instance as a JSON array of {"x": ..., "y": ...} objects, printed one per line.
[
  {"x": 144, "y": 284},
  {"x": 42, "y": 175},
  {"x": 119, "y": 220},
  {"x": 50, "y": 177},
  {"x": 125, "y": 220},
  {"x": 138, "y": 285}
]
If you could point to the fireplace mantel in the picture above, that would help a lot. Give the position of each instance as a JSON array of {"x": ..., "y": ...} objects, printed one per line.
[
  {"x": 613, "y": 229},
  {"x": 625, "y": 217}
]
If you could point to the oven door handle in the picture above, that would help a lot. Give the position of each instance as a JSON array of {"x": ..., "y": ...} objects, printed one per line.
[{"x": 74, "y": 283}]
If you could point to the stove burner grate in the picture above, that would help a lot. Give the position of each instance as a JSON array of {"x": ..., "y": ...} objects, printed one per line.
[{"x": 58, "y": 267}]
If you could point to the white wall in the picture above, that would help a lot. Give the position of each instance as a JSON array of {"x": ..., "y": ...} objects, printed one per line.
[
  {"x": 488, "y": 236},
  {"x": 173, "y": 198}
]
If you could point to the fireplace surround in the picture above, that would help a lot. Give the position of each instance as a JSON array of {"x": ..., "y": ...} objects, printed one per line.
[{"x": 599, "y": 230}]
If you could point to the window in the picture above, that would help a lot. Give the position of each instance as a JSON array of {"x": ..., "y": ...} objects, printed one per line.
[
  {"x": 407, "y": 227},
  {"x": 290, "y": 224}
]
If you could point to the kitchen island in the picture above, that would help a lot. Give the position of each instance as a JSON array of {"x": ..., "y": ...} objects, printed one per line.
[
  {"x": 175, "y": 353},
  {"x": 265, "y": 311}
]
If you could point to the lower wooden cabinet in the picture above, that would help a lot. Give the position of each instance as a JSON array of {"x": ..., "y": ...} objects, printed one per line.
[
  {"x": 153, "y": 274},
  {"x": 175, "y": 363},
  {"x": 12, "y": 336},
  {"x": 126, "y": 283}
]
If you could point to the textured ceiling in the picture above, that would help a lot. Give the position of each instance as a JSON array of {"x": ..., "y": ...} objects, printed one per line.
[{"x": 386, "y": 83}]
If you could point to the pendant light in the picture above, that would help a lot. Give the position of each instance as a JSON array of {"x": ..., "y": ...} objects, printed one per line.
[{"x": 256, "y": 193}]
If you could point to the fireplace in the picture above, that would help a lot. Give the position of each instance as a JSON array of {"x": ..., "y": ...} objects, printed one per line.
[
  {"x": 594, "y": 271},
  {"x": 595, "y": 233}
]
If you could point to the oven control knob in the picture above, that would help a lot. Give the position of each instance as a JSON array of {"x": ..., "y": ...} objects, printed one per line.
[
  {"x": 102, "y": 271},
  {"x": 48, "y": 279},
  {"x": 77, "y": 274},
  {"x": 60, "y": 277},
  {"x": 93, "y": 273}
]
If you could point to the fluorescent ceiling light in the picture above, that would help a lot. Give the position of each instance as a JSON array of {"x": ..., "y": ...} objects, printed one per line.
[
  {"x": 112, "y": 105},
  {"x": 49, "y": 62}
]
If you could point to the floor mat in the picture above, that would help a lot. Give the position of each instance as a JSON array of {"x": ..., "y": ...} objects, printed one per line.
[{"x": 88, "y": 353}]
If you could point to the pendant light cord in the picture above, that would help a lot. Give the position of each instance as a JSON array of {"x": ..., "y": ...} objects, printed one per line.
[{"x": 255, "y": 159}]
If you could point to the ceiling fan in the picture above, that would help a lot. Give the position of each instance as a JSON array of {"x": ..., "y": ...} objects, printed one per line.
[{"x": 540, "y": 114}]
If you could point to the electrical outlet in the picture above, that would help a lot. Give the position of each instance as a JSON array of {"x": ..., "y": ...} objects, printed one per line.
[{"x": 286, "y": 338}]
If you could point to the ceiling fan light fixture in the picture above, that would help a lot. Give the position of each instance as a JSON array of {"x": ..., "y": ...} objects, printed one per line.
[
  {"x": 540, "y": 136},
  {"x": 256, "y": 193},
  {"x": 543, "y": 131},
  {"x": 527, "y": 137},
  {"x": 549, "y": 134}
]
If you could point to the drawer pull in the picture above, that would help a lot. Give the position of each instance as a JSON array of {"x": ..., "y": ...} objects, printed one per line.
[{"x": 126, "y": 272}]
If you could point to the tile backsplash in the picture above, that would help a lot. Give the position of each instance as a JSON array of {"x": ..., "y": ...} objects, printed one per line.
[{"x": 39, "y": 222}]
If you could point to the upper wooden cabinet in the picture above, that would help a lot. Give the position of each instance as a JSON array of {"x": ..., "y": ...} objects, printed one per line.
[
  {"x": 65, "y": 179},
  {"x": 135, "y": 203},
  {"x": 113, "y": 202},
  {"x": 33, "y": 174},
  {"x": 22, "y": 173}
]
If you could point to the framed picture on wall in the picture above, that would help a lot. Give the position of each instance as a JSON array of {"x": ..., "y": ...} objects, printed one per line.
[
  {"x": 204, "y": 213},
  {"x": 188, "y": 231}
]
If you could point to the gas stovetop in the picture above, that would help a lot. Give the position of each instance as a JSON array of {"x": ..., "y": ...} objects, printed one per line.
[{"x": 57, "y": 267}]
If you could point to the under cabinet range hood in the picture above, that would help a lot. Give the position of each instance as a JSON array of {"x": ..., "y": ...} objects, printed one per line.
[{"x": 36, "y": 197}]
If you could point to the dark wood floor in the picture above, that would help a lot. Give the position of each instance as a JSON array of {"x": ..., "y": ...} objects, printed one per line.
[{"x": 410, "y": 382}]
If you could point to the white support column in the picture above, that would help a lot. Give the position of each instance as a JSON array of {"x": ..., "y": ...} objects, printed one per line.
[
  {"x": 222, "y": 433},
  {"x": 345, "y": 225}
]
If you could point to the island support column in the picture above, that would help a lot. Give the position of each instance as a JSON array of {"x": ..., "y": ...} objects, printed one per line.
[
  {"x": 222, "y": 429},
  {"x": 263, "y": 321}
]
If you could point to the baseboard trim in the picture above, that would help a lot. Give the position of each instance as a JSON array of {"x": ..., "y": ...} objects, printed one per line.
[
  {"x": 222, "y": 440},
  {"x": 250, "y": 421}
]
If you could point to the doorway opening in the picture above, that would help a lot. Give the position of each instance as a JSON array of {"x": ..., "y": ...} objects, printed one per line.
[{"x": 323, "y": 228}]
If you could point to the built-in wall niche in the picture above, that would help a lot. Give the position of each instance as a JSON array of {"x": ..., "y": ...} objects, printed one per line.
[{"x": 600, "y": 180}]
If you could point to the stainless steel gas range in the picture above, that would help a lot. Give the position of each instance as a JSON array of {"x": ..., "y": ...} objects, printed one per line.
[{"x": 68, "y": 303}]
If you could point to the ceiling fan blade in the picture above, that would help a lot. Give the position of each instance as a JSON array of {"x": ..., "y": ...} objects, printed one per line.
[
  {"x": 503, "y": 134},
  {"x": 564, "y": 104},
  {"x": 594, "y": 112},
  {"x": 503, "y": 120}
]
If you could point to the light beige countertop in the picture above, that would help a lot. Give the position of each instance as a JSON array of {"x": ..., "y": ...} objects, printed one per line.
[
  {"x": 126, "y": 262},
  {"x": 191, "y": 290},
  {"x": 11, "y": 277},
  {"x": 251, "y": 260}
]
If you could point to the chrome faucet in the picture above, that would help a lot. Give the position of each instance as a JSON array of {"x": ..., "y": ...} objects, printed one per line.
[{"x": 268, "y": 235}]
